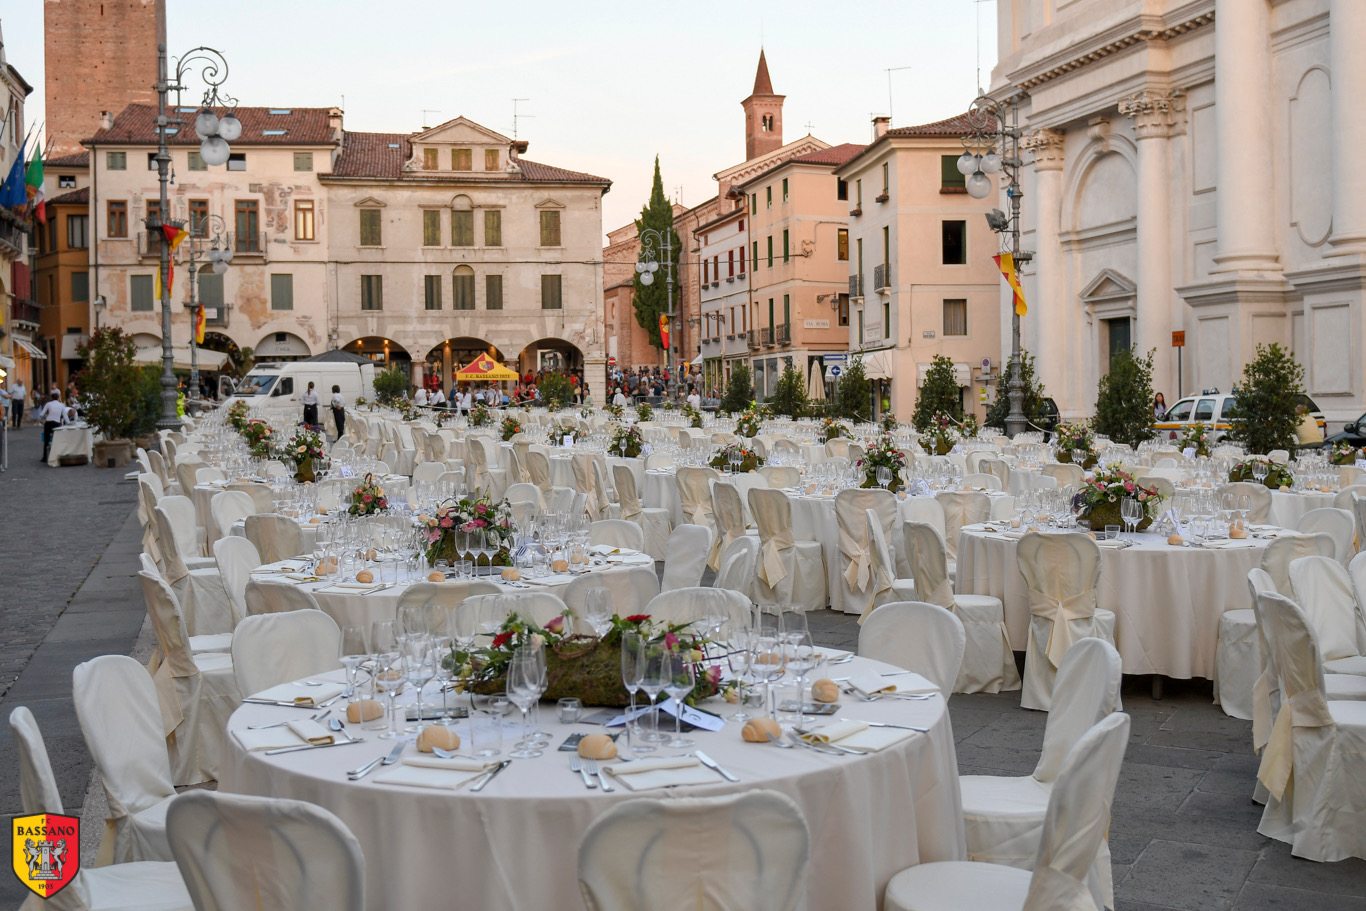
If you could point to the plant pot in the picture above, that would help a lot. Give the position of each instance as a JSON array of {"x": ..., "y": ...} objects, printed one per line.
[
  {"x": 113, "y": 453},
  {"x": 870, "y": 482},
  {"x": 939, "y": 447},
  {"x": 303, "y": 471},
  {"x": 1103, "y": 514},
  {"x": 1087, "y": 463}
]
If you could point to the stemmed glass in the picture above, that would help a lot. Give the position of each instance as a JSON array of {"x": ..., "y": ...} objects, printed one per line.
[
  {"x": 388, "y": 675},
  {"x": 354, "y": 650},
  {"x": 597, "y": 610},
  {"x": 524, "y": 689},
  {"x": 419, "y": 665},
  {"x": 679, "y": 680},
  {"x": 1131, "y": 511},
  {"x": 632, "y": 672},
  {"x": 1260, "y": 470},
  {"x": 766, "y": 664},
  {"x": 411, "y": 620},
  {"x": 802, "y": 658},
  {"x": 735, "y": 637},
  {"x": 655, "y": 659},
  {"x": 443, "y": 661},
  {"x": 884, "y": 476}
]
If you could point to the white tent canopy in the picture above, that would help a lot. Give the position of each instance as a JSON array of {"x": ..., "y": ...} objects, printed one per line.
[{"x": 208, "y": 360}]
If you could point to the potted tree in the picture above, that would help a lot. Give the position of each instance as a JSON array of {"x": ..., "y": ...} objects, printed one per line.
[{"x": 115, "y": 390}]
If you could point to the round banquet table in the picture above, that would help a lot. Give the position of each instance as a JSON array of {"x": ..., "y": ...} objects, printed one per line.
[
  {"x": 1287, "y": 506},
  {"x": 1167, "y": 600},
  {"x": 514, "y": 845},
  {"x": 71, "y": 440}
]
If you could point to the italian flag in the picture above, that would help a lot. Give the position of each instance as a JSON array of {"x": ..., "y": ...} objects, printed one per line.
[{"x": 33, "y": 180}]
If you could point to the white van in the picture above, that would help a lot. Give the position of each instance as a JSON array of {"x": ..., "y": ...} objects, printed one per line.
[{"x": 273, "y": 389}]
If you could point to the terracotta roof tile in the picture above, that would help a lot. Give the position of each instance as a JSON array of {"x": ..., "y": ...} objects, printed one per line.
[
  {"x": 79, "y": 160},
  {"x": 833, "y": 156},
  {"x": 136, "y": 125},
  {"x": 952, "y": 126},
  {"x": 371, "y": 155},
  {"x": 534, "y": 171},
  {"x": 79, "y": 197}
]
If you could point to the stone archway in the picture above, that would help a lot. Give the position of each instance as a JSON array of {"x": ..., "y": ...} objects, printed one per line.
[
  {"x": 549, "y": 354},
  {"x": 450, "y": 355}
]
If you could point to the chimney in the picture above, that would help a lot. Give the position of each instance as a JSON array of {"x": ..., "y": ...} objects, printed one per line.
[
  {"x": 880, "y": 126},
  {"x": 334, "y": 123},
  {"x": 106, "y": 120}
]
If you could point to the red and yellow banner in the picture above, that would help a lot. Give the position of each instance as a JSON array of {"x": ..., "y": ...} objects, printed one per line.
[
  {"x": 664, "y": 331},
  {"x": 173, "y": 236},
  {"x": 1006, "y": 263},
  {"x": 46, "y": 849},
  {"x": 199, "y": 323}
]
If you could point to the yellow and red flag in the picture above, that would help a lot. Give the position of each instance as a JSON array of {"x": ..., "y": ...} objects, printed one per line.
[
  {"x": 173, "y": 236},
  {"x": 1006, "y": 263},
  {"x": 199, "y": 323},
  {"x": 664, "y": 331},
  {"x": 46, "y": 851}
]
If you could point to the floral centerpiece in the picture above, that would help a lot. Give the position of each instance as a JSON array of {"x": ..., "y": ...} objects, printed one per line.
[
  {"x": 1344, "y": 454},
  {"x": 368, "y": 498},
  {"x": 445, "y": 416},
  {"x": 626, "y": 441},
  {"x": 883, "y": 452},
  {"x": 748, "y": 459},
  {"x": 1277, "y": 475},
  {"x": 889, "y": 422},
  {"x": 301, "y": 450},
  {"x": 969, "y": 427},
  {"x": 361, "y": 401},
  {"x": 693, "y": 414},
  {"x": 587, "y": 410},
  {"x": 237, "y": 415},
  {"x": 751, "y": 419},
  {"x": 407, "y": 409},
  {"x": 1075, "y": 444},
  {"x": 614, "y": 411},
  {"x": 563, "y": 427},
  {"x": 644, "y": 411},
  {"x": 585, "y": 667},
  {"x": 939, "y": 439},
  {"x": 1195, "y": 436},
  {"x": 1101, "y": 494},
  {"x": 467, "y": 514},
  {"x": 481, "y": 415},
  {"x": 511, "y": 426},
  {"x": 257, "y": 434},
  {"x": 833, "y": 429}
]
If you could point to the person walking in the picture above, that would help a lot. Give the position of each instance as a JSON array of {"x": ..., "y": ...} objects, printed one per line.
[
  {"x": 53, "y": 415},
  {"x": 1159, "y": 407},
  {"x": 310, "y": 402},
  {"x": 338, "y": 411},
  {"x": 17, "y": 393}
]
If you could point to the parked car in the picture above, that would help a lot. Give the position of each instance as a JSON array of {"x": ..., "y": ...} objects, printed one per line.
[
  {"x": 1353, "y": 433},
  {"x": 1212, "y": 409}
]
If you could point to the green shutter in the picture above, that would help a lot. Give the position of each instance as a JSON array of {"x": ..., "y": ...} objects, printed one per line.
[
  {"x": 493, "y": 292},
  {"x": 140, "y": 292},
  {"x": 282, "y": 291}
]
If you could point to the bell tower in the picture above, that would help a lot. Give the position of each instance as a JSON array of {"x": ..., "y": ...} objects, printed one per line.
[{"x": 763, "y": 115}]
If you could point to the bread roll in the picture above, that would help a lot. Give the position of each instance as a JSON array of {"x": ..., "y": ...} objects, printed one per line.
[
  {"x": 560, "y": 566},
  {"x": 756, "y": 730},
  {"x": 1176, "y": 540},
  {"x": 365, "y": 576},
  {"x": 1284, "y": 488},
  {"x": 825, "y": 691},
  {"x": 314, "y": 521},
  {"x": 598, "y": 746},
  {"x": 1234, "y": 532},
  {"x": 365, "y": 710},
  {"x": 435, "y": 576},
  {"x": 512, "y": 575},
  {"x": 437, "y": 735}
]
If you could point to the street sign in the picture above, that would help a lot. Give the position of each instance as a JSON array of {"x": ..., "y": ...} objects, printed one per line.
[
  {"x": 836, "y": 370},
  {"x": 1178, "y": 339},
  {"x": 612, "y": 361},
  {"x": 835, "y": 358}
]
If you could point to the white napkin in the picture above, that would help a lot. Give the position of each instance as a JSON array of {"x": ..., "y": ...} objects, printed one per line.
[
  {"x": 666, "y": 772},
  {"x": 1220, "y": 545},
  {"x": 603, "y": 550},
  {"x": 268, "y": 739},
  {"x": 298, "y": 693},
  {"x": 552, "y": 579},
  {"x": 857, "y": 735},
  {"x": 870, "y": 683},
  {"x": 310, "y": 731},
  {"x": 272, "y": 568},
  {"x": 358, "y": 586},
  {"x": 1115, "y": 543},
  {"x": 300, "y": 577},
  {"x": 423, "y": 771}
]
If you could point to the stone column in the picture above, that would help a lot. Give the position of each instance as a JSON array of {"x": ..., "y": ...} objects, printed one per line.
[
  {"x": 1152, "y": 113},
  {"x": 1242, "y": 91},
  {"x": 1347, "y": 39},
  {"x": 1049, "y": 312}
]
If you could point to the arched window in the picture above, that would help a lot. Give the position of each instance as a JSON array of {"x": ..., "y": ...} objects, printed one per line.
[
  {"x": 463, "y": 290},
  {"x": 462, "y": 222}
]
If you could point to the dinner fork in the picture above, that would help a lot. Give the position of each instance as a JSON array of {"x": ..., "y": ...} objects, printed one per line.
[
  {"x": 576, "y": 766},
  {"x": 592, "y": 767}
]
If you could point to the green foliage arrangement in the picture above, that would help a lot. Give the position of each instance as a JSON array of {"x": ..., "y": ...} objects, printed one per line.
[
  {"x": 556, "y": 391},
  {"x": 1034, "y": 395},
  {"x": 789, "y": 395},
  {"x": 739, "y": 391},
  {"x": 1124, "y": 410},
  {"x": 940, "y": 394},
  {"x": 1262, "y": 416},
  {"x": 645, "y": 411},
  {"x": 116, "y": 388},
  {"x": 854, "y": 393},
  {"x": 653, "y": 299},
  {"x": 391, "y": 385}
]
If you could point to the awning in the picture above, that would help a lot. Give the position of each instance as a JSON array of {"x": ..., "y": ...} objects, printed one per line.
[
  {"x": 70, "y": 342},
  {"x": 486, "y": 368},
  {"x": 208, "y": 359},
  {"x": 31, "y": 349},
  {"x": 878, "y": 365},
  {"x": 6, "y": 362},
  {"x": 962, "y": 374}
]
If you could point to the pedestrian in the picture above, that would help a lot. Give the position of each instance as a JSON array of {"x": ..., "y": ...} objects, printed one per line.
[
  {"x": 17, "y": 393},
  {"x": 310, "y": 402},
  {"x": 466, "y": 402},
  {"x": 53, "y": 415},
  {"x": 694, "y": 399},
  {"x": 620, "y": 398},
  {"x": 420, "y": 397},
  {"x": 1159, "y": 407},
  {"x": 338, "y": 411},
  {"x": 437, "y": 398}
]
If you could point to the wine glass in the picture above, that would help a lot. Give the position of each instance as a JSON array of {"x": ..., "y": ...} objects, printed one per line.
[
  {"x": 802, "y": 658},
  {"x": 411, "y": 620},
  {"x": 524, "y": 689},
  {"x": 597, "y": 610},
  {"x": 388, "y": 674},
  {"x": 418, "y": 665},
  {"x": 492, "y": 613},
  {"x": 632, "y": 672},
  {"x": 792, "y": 623},
  {"x": 354, "y": 650},
  {"x": 443, "y": 663},
  {"x": 735, "y": 636},
  {"x": 884, "y": 476},
  {"x": 1260, "y": 470},
  {"x": 655, "y": 659},
  {"x": 766, "y": 664},
  {"x": 1130, "y": 512},
  {"x": 679, "y": 680}
]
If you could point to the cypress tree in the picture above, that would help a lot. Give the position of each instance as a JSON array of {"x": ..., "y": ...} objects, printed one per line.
[{"x": 653, "y": 299}]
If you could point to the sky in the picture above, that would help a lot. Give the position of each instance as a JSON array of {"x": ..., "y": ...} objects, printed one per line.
[{"x": 608, "y": 85}]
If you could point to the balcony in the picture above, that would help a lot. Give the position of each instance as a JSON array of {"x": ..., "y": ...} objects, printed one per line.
[
  {"x": 13, "y": 235},
  {"x": 784, "y": 334},
  {"x": 882, "y": 277},
  {"x": 753, "y": 338},
  {"x": 882, "y": 197},
  {"x": 22, "y": 311},
  {"x": 856, "y": 286},
  {"x": 766, "y": 334}
]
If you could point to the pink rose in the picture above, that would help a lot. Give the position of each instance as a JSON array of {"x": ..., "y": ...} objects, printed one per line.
[
  {"x": 367, "y": 498},
  {"x": 1129, "y": 486},
  {"x": 556, "y": 625},
  {"x": 446, "y": 522}
]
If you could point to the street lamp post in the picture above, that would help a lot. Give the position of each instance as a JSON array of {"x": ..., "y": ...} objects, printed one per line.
[
  {"x": 215, "y": 134},
  {"x": 200, "y": 232},
  {"x": 653, "y": 242},
  {"x": 987, "y": 119}
]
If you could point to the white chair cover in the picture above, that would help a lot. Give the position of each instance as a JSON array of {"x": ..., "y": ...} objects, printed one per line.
[
  {"x": 685, "y": 558},
  {"x": 205, "y": 603},
  {"x": 855, "y": 565},
  {"x": 738, "y": 565},
  {"x": 961, "y": 507},
  {"x": 1342, "y": 500},
  {"x": 617, "y": 533},
  {"x": 1259, "y": 498},
  {"x": 582, "y": 463},
  {"x": 729, "y": 514},
  {"x": 276, "y": 537},
  {"x": 788, "y": 571},
  {"x": 149, "y": 493},
  {"x": 782, "y": 475},
  {"x": 539, "y": 607},
  {"x": 632, "y": 588},
  {"x": 196, "y": 693},
  {"x": 988, "y": 662},
  {"x": 185, "y": 473},
  {"x": 209, "y": 473},
  {"x": 260, "y": 494},
  {"x": 998, "y": 467},
  {"x": 1004, "y": 816},
  {"x": 236, "y": 558},
  {"x": 1061, "y": 573},
  {"x": 1279, "y": 554},
  {"x": 1067, "y": 474},
  {"x": 689, "y": 605},
  {"x": 184, "y": 524},
  {"x": 982, "y": 481},
  {"x": 263, "y": 597},
  {"x": 1323, "y": 590},
  {"x": 747, "y": 850},
  {"x": 929, "y": 511},
  {"x": 654, "y": 522},
  {"x": 1237, "y": 662},
  {"x": 916, "y": 636},
  {"x": 227, "y": 508},
  {"x": 538, "y": 469},
  {"x": 886, "y": 586},
  {"x": 238, "y": 852},
  {"x": 1314, "y": 764},
  {"x": 270, "y": 649},
  {"x": 428, "y": 471}
]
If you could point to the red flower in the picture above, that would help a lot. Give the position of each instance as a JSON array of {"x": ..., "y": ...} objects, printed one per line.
[
  {"x": 502, "y": 639},
  {"x": 556, "y": 625},
  {"x": 637, "y": 618},
  {"x": 670, "y": 640}
]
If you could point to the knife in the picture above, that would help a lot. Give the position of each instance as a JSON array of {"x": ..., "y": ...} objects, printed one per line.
[
  {"x": 711, "y": 764},
  {"x": 488, "y": 776},
  {"x": 903, "y": 727},
  {"x": 358, "y": 774},
  {"x": 292, "y": 705},
  {"x": 314, "y": 746},
  {"x": 384, "y": 587}
]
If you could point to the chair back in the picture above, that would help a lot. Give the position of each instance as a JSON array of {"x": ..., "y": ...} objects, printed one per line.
[
  {"x": 37, "y": 785},
  {"x": 276, "y": 598},
  {"x": 602, "y": 484},
  {"x": 1266, "y": 691},
  {"x": 983, "y": 481},
  {"x": 523, "y": 492},
  {"x": 1078, "y": 817},
  {"x": 659, "y": 460},
  {"x": 851, "y": 505},
  {"x": 539, "y": 607},
  {"x": 728, "y": 512},
  {"x": 236, "y": 558},
  {"x": 624, "y": 479},
  {"x": 738, "y": 565},
  {"x": 455, "y": 477},
  {"x": 1323, "y": 590},
  {"x": 694, "y": 492},
  {"x": 177, "y": 536},
  {"x": 1342, "y": 500},
  {"x": 782, "y": 475},
  {"x": 1259, "y": 498},
  {"x": 238, "y": 852},
  {"x": 1068, "y": 475},
  {"x": 772, "y": 511},
  {"x": 120, "y": 718},
  {"x": 538, "y": 469},
  {"x": 1299, "y": 667},
  {"x": 693, "y": 604},
  {"x": 631, "y": 587},
  {"x": 924, "y": 509},
  {"x": 209, "y": 473},
  {"x": 1061, "y": 573},
  {"x": 276, "y": 537},
  {"x": 228, "y": 507},
  {"x": 929, "y": 563},
  {"x": 917, "y": 636},
  {"x": 685, "y": 557},
  {"x": 998, "y": 467},
  {"x": 260, "y": 494},
  {"x": 185, "y": 473},
  {"x": 883, "y": 561},
  {"x": 1284, "y": 550},
  {"x": 428, "y": 471},
  {"x": 961, "y": 507},
  {"x": 1085, "y": 690},
  {"x": 158, "y": 464},
  {"x": 747, "y": 850},
  {"x": 617, "y": 533},
  {"x": 1339, "y": 524},
  {"x": 270, "y": 649}
]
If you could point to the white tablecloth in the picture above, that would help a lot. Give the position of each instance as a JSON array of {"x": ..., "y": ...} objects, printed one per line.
[
  {"x": 515, "y": 844},
  {"x": 1287, "y": 506},
  {"x": 1167, "y": 600},
  {"x": 71, "y": 440},
  {"x": 308, "y": 533}
]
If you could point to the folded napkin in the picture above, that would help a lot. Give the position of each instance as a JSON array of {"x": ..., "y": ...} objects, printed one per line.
[
  {"x": 629, "y": 557},
  {"x": 1115, "y": 543},
  {"x": 1220, "y": 545},
  {"x": 603, "y": 550},
  {"x": 552, "y": 579},
  {"x": 856, "y": 735},
  {"x": 310, "y": 731},
  {"x": 301, "y": 577},
  {"x": 268, "y": 739},
  {"x": 665, "y": 772},
  {"x": 423, "y": 771},
  {"x": 276, "y": 569},
  {"x": 358, "y": 586},
  {"x": 870, "y": 683},
  {"x": 300, "y": 694}
]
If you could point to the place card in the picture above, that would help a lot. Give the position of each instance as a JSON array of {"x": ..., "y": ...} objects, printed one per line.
[{"x": 693, "y": 716}]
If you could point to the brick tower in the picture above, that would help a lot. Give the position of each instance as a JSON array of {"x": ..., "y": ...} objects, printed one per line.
[
  {"x": 763, "y": 115},
  {"x": 101, "y": 56}
]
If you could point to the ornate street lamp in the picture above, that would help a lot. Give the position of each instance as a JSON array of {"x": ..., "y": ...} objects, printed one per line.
[
  {"x": 213, "y": 230},
  {"x": 653, "y": 243}
]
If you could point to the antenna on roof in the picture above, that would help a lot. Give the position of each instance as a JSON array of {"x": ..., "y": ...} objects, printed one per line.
[
  {"x": 425, "y": 112},
  {"x": 890, "y": 71},
  {"x": 516, "y": 115}
]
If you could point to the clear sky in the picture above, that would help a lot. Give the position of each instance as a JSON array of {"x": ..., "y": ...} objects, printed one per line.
[{"x": 609, "y": 84}]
